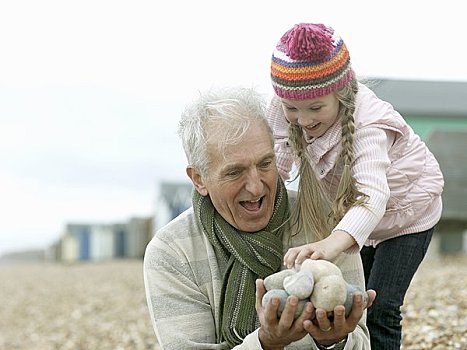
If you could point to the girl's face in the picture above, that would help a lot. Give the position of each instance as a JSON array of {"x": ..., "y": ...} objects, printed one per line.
[{"x": 315, "y": 116}]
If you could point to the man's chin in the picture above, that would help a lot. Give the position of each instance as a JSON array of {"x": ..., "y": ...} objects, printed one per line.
[{"x": 254, "y": 226}]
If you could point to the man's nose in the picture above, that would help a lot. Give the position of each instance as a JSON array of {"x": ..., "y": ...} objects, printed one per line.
[{"x": 254, "y": 185}]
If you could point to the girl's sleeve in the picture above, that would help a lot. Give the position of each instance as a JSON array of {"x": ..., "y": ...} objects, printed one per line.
[
  {"x": 282, "y": 149},
  {"x": 369, "y": 169}
]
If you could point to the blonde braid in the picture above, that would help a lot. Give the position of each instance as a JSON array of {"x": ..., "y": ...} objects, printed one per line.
[
  {"x": 311, "y": 210},
  {"x": 347, "y": 193}
]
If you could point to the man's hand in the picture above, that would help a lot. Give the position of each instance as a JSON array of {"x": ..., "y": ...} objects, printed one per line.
[
  {"x": 329, "y": 330},
  {"x": 275, "y": 333}
]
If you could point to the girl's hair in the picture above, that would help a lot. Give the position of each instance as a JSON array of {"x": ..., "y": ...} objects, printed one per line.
[
  {"x": 205, "y": 120},
  {"x": 315, "y": 213}
]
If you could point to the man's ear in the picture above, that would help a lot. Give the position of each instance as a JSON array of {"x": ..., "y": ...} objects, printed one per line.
[{"x": 197, "y": 180}]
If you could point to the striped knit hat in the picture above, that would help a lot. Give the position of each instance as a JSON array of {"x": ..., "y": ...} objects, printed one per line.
[{"x": 310, "y": 61}]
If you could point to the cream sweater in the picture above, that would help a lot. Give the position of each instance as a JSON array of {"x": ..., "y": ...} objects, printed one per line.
[{"x": 183, "y": 285}]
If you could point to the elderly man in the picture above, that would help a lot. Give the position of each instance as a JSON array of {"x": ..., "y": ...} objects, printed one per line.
[{"x": 203, "y": 271}]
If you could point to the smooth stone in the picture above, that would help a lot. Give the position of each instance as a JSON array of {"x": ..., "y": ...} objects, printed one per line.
[
  {"x": 300, "y": 306},
  {"x": 283, "y": 295},
  {"x": 349, "y": 298},
  {"x": 276, "y": 280},
  {"x": 329, "y": 292},
  {"x": 299, "y": 284},
  {"x": 280, "y": 293},
  {"x": 319, "y": 269}
]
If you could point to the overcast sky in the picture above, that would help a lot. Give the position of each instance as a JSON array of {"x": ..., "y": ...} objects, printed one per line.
[{"x": 91, "y": 91}]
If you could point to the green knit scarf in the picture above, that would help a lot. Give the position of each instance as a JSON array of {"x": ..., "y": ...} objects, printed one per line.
[{"x": 243, "y": 257}]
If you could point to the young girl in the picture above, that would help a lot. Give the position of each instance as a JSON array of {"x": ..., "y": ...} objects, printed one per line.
[{"x": 366, "y": 181}]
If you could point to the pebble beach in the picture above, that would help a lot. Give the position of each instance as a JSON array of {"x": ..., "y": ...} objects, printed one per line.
[{"x": 89, "y": 306}]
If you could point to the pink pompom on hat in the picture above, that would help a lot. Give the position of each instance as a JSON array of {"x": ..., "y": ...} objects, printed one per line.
[{"x": 310, "y": 61}]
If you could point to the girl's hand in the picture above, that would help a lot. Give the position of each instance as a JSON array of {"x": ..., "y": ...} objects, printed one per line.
[{"x": 326, "y": 249}]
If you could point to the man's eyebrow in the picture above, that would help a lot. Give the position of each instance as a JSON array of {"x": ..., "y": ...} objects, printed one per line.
[
  {"x": 239, "y": 165},
  {"x": 230, "y": 167},
  {"x": 271, "y": 155}
]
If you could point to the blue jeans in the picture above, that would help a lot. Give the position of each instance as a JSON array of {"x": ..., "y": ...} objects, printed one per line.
[{"x": 389, "y": 268}]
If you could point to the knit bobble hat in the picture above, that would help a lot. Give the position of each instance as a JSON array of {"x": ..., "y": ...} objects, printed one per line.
[{"x": 310, "y": 61}]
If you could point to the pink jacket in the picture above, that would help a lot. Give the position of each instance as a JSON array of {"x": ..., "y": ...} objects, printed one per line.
[{"x": 392, "y": 166}]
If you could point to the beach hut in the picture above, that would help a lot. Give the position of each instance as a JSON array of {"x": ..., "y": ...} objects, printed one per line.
[
  {"x": 69, "y": 250},
  {"x": 138, "y": 235},
  {"x": 120, "y": 239},
  {"x": 449, "y": 147},
  {"x": 426, "y": 105},
  {"x": 101, "y": 242},
  {"x": 173, "y": 199},
  {"x": 81, "y": 232}
]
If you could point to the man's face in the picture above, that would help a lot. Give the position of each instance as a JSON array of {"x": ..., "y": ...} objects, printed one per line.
[{"x": 242, "y": 180}]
